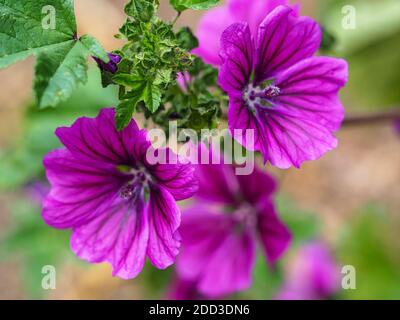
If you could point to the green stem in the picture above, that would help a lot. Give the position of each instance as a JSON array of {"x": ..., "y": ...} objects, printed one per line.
[{"x": 176, "y": 18}]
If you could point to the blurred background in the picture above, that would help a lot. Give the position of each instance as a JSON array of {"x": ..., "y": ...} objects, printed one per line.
[{"x": 348, "y": 202}]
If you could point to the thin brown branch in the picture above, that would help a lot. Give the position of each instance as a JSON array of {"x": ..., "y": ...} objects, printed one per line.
[{"x": 371, "y": 118}]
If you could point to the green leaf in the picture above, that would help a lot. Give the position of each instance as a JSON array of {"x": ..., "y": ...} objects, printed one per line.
[
  {"x": 142, "y": 10},
  {"x": 134, "y": 81},
  {"x": 47, "y": 31},
  {"x": 149, "y": 94},
  {"x": 59, "y": 71},
  {"x": 142, "y": 90},
  {"x": 181, "y": 5},
  {"x": 152, "y": 57},
  {"x": 21, "y": 27},
  {"x": 124, "y": 112},
  {"x": 106, "y": 78},
  {"x": 152, "y": 96},
  {"x": 187, "y": 39},
  {"x": 162, "y": 76},
  {"x": 94, "y": 47}
]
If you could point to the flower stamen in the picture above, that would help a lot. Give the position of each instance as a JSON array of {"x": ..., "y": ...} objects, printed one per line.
[
  {"x": 140, "y": 179},
  {"x": 257, "y": 96}
]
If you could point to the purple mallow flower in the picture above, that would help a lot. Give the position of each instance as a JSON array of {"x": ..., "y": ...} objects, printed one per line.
[
  {"x": 312, "y": 274},
  {"x": 37, "y": 191},
  {"x": 112, "y": 65},
  {"x": 275, "y": 87},
  {"x": 397, "y": 126},
  {"x": 220, "y": 231},
  {"x": 216, "y": 20},
  {"x": 183, "y": 290},
  {"x": 120, "y": 207}
]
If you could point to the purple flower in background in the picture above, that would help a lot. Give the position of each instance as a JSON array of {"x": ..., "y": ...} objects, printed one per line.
[
  {"x": 184, "y": 290},
  {"x": 397, "y": 126},
  {"x": 313, "y": 274},
  {"x": 112, "y": 65},
  {"x": 181, "y": 289},
  {"x": 216, "y": 20},
  {"x": 275, "y": 87},
  {"x": 120, "y": 207},
  {"x": 220, "y": 231},
  {"x": 37, "y": 191},
  {"x": 182, "y": 79}
]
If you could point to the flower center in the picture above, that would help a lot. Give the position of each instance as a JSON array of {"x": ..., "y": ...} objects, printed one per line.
[
  {"x": 260, "y": 96},
  {"x": 245, "y": 216},
  {"x": 139, "y": 180}
]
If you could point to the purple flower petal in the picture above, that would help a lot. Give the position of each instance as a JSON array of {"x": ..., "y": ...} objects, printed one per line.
[
  {"x": 274, "y": 235},
  {"x": 181, "y": 79},
  {"x": 119, "y": 236},
  {"x": 112, "y": 65},
  {"x": 253, "y": 12},
  {"x": 119, "y": 207},
  {"x": 164, "y": 238},
  {"x": 79, "y": 190},
  {"x": 283, "y": 40},
  {"x": 178, "y": 178},
  {"x": 397, "y": 126},
  {"x": 215, "y": 21},
  {"x": 209, "y": 32},
  {"x": 37, "y": 191},
  {"x": 290, "y": 140},
  {"x": 241, "y": 119},
  {"x": 310, "y": 88},
  {"x": 220, "y": 260},
  {"x": 183, "y": 290},
  {"x": 230, "y": 268},
  {"x": 114, "y": 57},
  {"x": 300, "y": 124},
  {"x": 201, "y": 230},
  {"x": 221, "y": 188},
  {"x": 257, "y": 186},
  {"x": 237, "y": 55},
  {"x": 324, "y": 270},
  {"x": 98, "y": 139},
  {"x": 217, "y": 180},
  {"x": 313, "y": 273},
  {"x": 219, "y": 232},
  {"x": 291, "y": 105}
]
